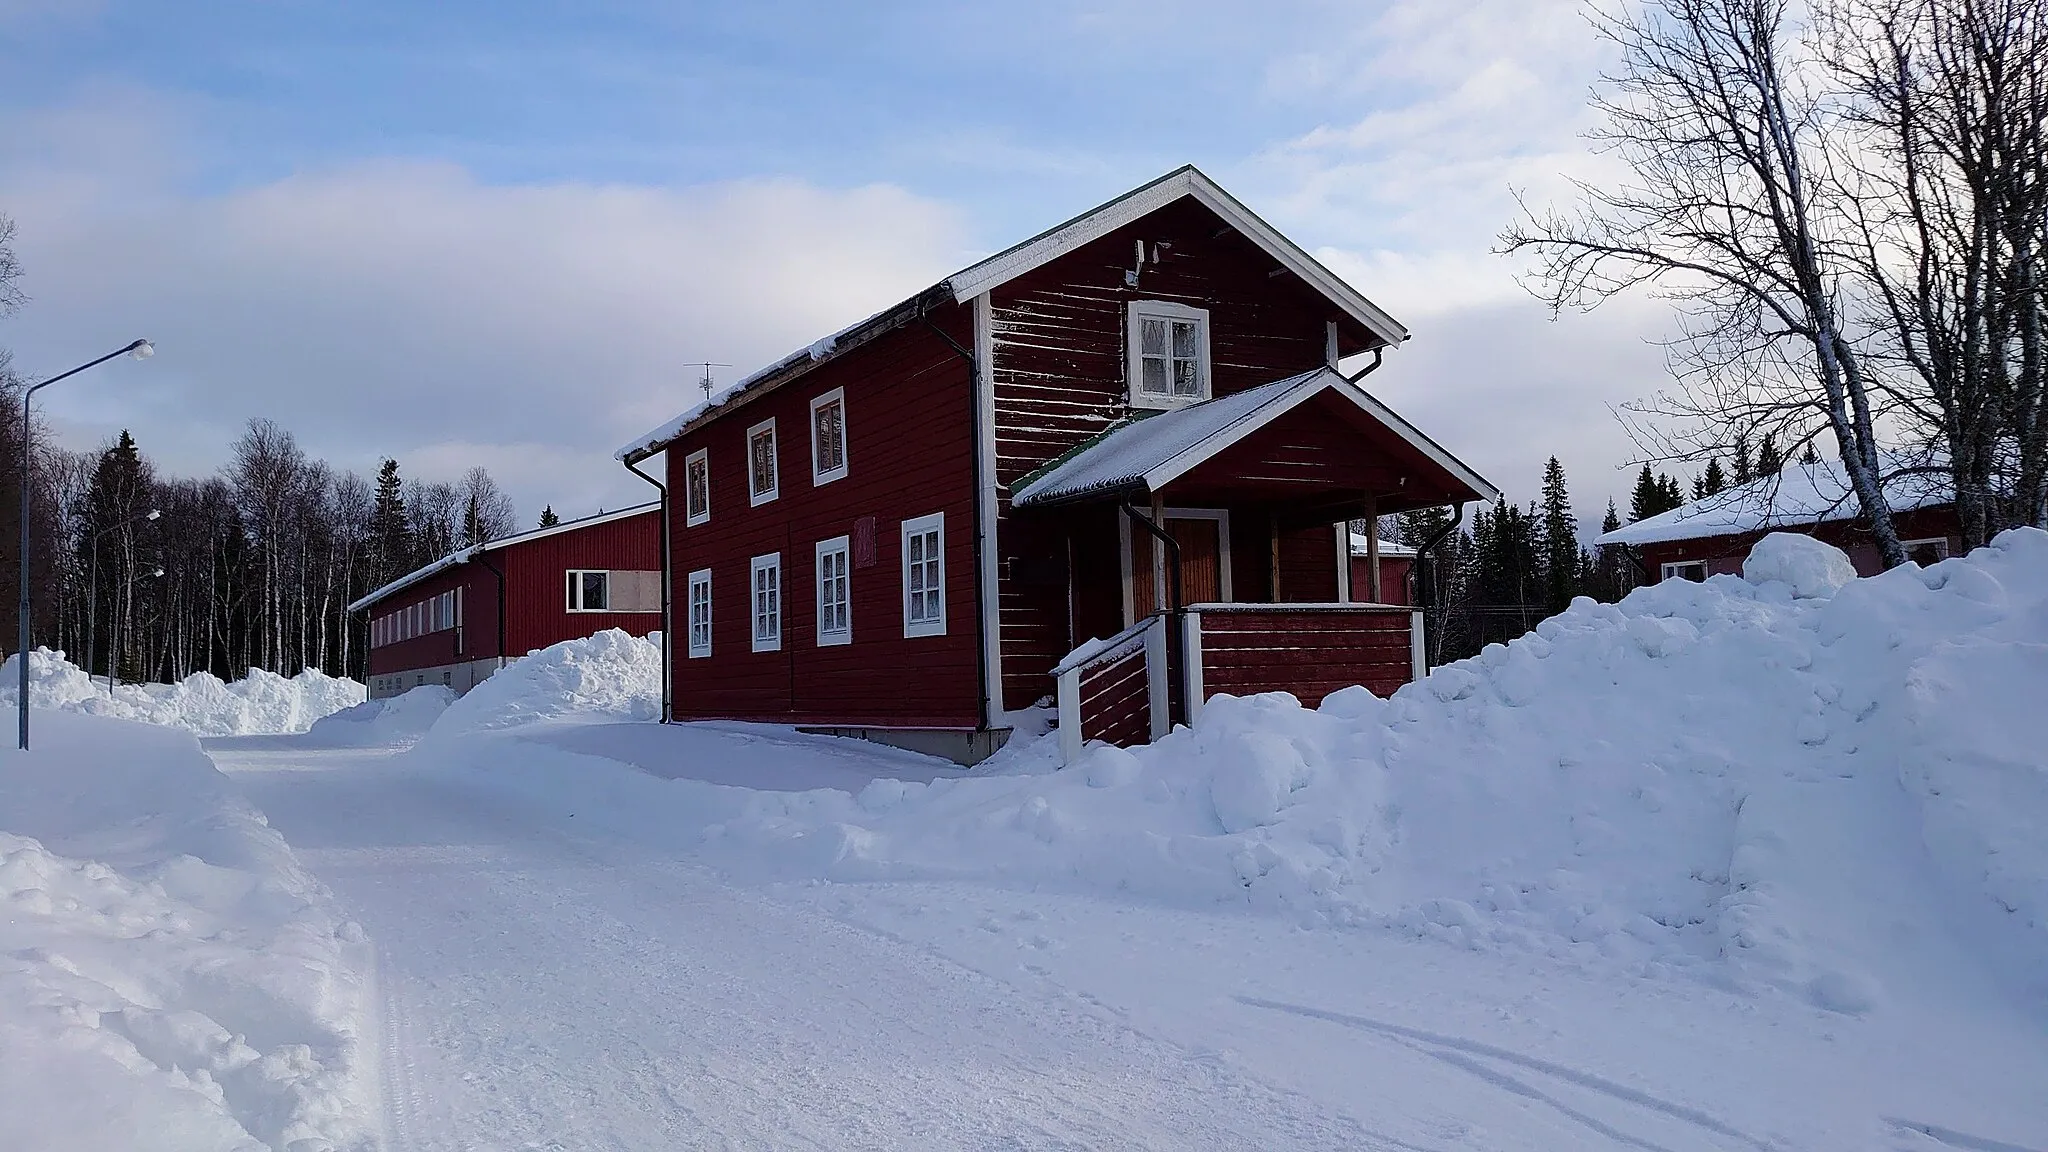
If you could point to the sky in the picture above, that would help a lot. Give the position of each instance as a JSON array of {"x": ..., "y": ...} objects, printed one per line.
[{"x": 501, "y": 234}]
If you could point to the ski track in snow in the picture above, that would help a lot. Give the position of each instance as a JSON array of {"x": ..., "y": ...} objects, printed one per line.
[{"x": 542, "y": 991}]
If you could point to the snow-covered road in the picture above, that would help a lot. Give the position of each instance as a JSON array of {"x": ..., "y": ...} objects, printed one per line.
[{"x": 544, "y": 988}]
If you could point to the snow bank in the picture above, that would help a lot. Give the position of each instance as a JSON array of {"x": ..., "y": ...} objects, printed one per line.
[
  {"x": 613, "y": 675},
  {"x": 400, "y": 719},
  {"x": 1808, "y": 566},
  {"x": 169, "y": 976},
  {"x": 263, "y": 703},
  {"x": 1821, "y": 793}
]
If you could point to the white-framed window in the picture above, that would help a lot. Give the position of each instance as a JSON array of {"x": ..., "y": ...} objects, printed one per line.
[
  {"x": 762, "y": 472},
  {"x": 828, "y": 436},
  {"x": 835, "y": 622},
  {"x": 924, "y": 575},
  {"x": 700, "y": 613},
  {"x": 1932, "y": 550},
  {"x": 589, "y": 591},
  {"x": 1169, "y": 354},
  {"x": 768, "y": 602},
  {"x": 1693, "y": 570},
  {"x": 697, "y": 488}
]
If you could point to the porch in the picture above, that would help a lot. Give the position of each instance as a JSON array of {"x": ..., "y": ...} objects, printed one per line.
[{"x": 1210, "y": 545}]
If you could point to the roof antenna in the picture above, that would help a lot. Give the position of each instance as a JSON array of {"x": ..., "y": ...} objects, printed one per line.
[{"x": 705, "y": 383}]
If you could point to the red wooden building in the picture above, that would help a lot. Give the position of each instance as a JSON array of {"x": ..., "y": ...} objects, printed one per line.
[
  {"x": 912, "y": 529},
  {"x": 1712, "y": 536},
  {"x": 461, "y": 618}
]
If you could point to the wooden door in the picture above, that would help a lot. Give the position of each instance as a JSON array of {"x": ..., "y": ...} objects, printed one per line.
[{"x": 1201, "y": 559}]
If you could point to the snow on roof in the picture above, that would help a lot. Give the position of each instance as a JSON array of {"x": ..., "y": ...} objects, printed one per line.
[
  {"x": 1153, "y": 451},
  {"x": 1389, "y": 549},
  {"x": 465, "y": 555},
  {"x": 1802, "y": 494},
  {"x": 1186, "y": 181}
]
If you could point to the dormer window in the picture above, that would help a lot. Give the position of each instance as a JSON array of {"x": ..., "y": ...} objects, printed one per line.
[{"x": 1169, "y": 354}]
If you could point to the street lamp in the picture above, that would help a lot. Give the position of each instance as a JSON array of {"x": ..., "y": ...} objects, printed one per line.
[{"x": 141, "y": 350}]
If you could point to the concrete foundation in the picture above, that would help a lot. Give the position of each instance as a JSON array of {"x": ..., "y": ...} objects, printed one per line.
[
  {"x": 959, "y": 745},
  {"x": 460, "y": 676}
]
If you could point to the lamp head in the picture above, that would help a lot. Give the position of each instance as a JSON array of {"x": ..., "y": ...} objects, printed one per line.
[
  {"x": 141, "y": 350},
  {"x": 154, "y": 513}
]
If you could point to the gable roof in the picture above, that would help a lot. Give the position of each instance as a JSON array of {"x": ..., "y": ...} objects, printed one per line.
[
  {"x": 465, "y": 555},
  {"x": 1152, "y": 452},
  {"x": 1183, "y": 182},
  {"x": 1800, "y": 496}
]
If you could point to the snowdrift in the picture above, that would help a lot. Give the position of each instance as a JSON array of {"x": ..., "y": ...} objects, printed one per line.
[
  {"x": 400, "y": 719},
  {"x": 263, "y": 703},
  {"x": 612, "y": 675},
  {"x": 169, "y": 975}
]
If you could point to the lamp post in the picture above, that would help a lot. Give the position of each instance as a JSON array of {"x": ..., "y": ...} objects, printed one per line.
[{"x": 141, "y": 350}]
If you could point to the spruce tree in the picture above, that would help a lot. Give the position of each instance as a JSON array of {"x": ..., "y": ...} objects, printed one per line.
[
  {"x": 1810, "y": 456},
  {"x": 1648, "y": 498},
  {"x": 1744, "y": 473},
  {"x": 1768, "y": 462},
  {"x": 1713, "y": 479},
  {"x": 1559, "y": 532},
  {"x": 390, "y": 534},
  {"x": 1672, "y": 496},
  {"x": 548, "y": 519}
]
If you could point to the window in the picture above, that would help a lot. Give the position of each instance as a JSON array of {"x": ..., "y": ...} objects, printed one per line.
[
  {"x": 1169, "y": 354},
  {"x": 834, "y": 625},
  {"x": 828, "y": 437},
  {"x": 1693, "y": 570},
  {"x": 697, "y": 488},
  {"x": 924, "y": 575},
  {"x": 761, "y": 462},
  {"x": 700, "y": 613},
  {"x": 590, "y": 591},
  {"x": 1925, "y": 552},
  {"x": 768, "y": 602}
]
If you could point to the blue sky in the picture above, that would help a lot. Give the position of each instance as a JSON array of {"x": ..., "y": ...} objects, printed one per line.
[{"x": 514, "y": 223}]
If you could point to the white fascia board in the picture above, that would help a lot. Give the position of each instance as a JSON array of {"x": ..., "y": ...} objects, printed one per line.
[
  {"x": 464, "y": 555},
  {"x": 1189, "y": 181},
  {"x": 1173, "y": 468}
]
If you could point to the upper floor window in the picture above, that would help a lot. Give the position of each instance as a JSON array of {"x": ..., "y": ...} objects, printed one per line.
[
  {"x": 828, "y": 437},
  {"x": 590, "y": 591},
  {"x": 697, "y": 488},
  {"x": 768, "y": 602},
  {"x": 761, "y": 470},
  {"x": 1169, "y": 354},
  {"x": 924, "y": 575}
]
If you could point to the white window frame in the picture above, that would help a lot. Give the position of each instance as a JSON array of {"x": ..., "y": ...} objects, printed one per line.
[
  {"x": 1134, "y": 369},
  {"x": 700, "y": 644},
  {"x": 1673, "y": 569},
  {"x": 828, "y": 475},
  {"x": 842, "y": 547},
  {"x": 691, "y": 517},
  {"x": 756, "y": 499},
  {"x": 1939, "y": 542},
  {"x": 936, "y": 522},
  {"x": 772, "y": 562},
  {"x": 575, "y": 589}
]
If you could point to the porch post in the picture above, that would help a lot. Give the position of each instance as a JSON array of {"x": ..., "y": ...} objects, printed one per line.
[
  {"x": 1418, "y": 649},
  {"x": 1069, "y": 697},
  {"x": 1372, "y": 548},
  {"x": 1156, "y": 674},
  {"x": 1191, "y": 664}
]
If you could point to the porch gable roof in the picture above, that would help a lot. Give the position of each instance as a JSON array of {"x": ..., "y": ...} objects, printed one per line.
[{"x": 1146, "y": 455}]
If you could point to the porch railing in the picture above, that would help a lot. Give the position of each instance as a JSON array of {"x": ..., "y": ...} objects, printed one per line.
[{"x": 1118, "y": 690}]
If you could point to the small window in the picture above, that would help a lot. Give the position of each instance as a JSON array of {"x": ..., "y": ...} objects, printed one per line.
[
  {"x": 700, "y": 613},
  {"x": 1926, "y": 552},
  {"x": 590, "y": 591},
  {"x": 1169, "y": 354},
  {"x": 761, "y": 471},
  {"x": 828, "y": 437},
  {"x": 835, "y": 626},
  {"x": 768, "y": 602},
  {"x": 1693, "y": 570},
  {"x": 924, "y": 575},
  {"x": 697, "y": 488}
]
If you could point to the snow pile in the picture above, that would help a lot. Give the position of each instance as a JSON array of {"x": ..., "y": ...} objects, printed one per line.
[
  {"x": 612, "y": 675},
  {"x": 1807, "y": 566},
  {"x": 1822, "y": 793},
  {"x": 263, "y": 703},
  {"x": 169, "y": 976},
  {"x": 399, "y": 719}
]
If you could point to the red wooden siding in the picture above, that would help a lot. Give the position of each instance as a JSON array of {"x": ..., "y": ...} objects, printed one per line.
[
  {"x": 1307, "y": 652},
  {"x": 910, "y": 445},
  {"x": 1308, "y": 565},
  {"x": 1116, "y": 701},
  {"x": 1725, "y": 554},
  {"x": 1058, "y": 375},
  {"x": 476, "y": 639},
  {"x": 1393, "y": 579},
  {"x": 536, "y": 589}
]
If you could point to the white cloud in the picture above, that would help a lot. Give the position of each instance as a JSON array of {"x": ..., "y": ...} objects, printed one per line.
[{"x": 408, "y": 309}]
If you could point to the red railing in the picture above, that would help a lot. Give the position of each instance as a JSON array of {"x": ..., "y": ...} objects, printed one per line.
[
  {"x": 1310, "y": 650},
  {"x": 1114, "y": 690}
]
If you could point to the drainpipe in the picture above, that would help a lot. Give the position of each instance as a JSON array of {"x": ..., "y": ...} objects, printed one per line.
[
  {"x": 1176, "y": 656},
  {"x": 1426, "y": 587},
  {"x": 668, "y": 635},
  {"x": 1379, "y": 355},
  {"x": 484, "y": 558},
  {"x": 981, "y": 530}
]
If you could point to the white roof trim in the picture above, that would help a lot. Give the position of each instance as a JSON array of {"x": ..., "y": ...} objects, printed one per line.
[
  {"x": 1286, "y": 395},
  {"x": 464, "y": 555},
  {"x": 1188, "y": 181}
]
